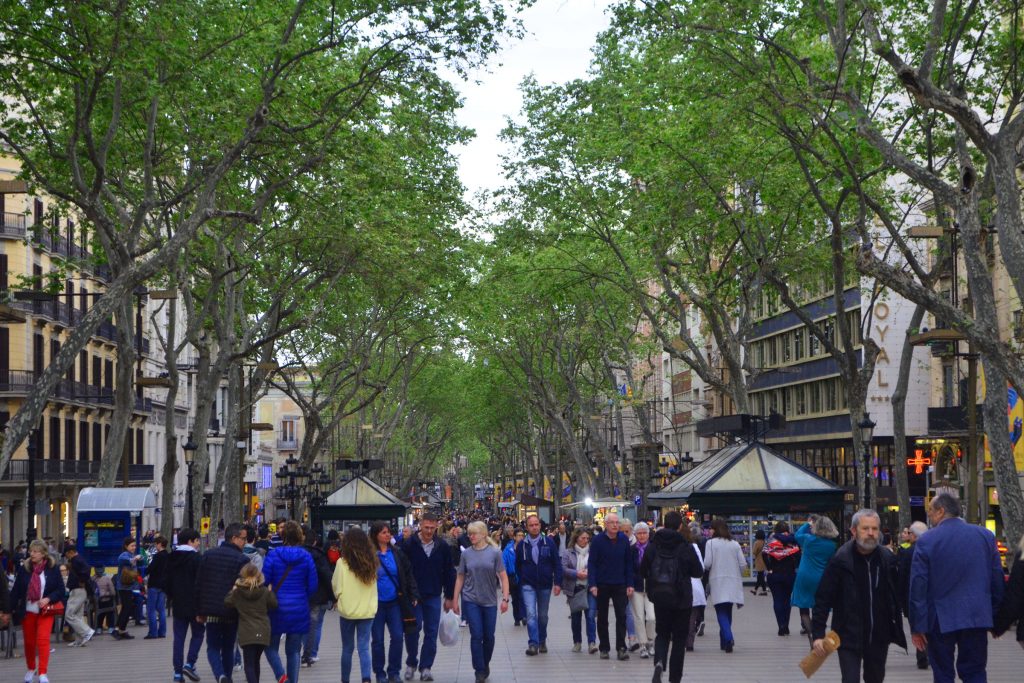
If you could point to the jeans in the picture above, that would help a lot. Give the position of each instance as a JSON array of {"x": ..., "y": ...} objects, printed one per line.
[
  {"x": 576, "y": 620},
  {"x": 74, "y": 612},
  {"x": 536, "y": 601},
  {"x": 311, "y": 646},
  {"x": 156, "y": 609},
  {"x": 630, "y": 623},
  {"x": 388, "y": 614},
  {"x": 292, "y": 655},
  {"x": 617, "y": 594},
  {"x": 971, "y": 648},
  {"x": 481, "y": 620},
  {"x": 251, "y": 656},
  {"x": 428, "y": 616},
  {"x": 723, "y": 611},
  {"x": 355, "y": 634},
  {"x": 874, "y": 663},
  {"x": 220, "y": 646},
  {"x": 781, "y": 586},
  {"x": 672, "y": 627},
  {"x": 181, "y": 627},
  {"x": 518, "y": 609}
]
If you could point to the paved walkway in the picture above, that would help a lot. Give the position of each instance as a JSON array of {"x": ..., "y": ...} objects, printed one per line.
[{"x": 760, "y": 657}]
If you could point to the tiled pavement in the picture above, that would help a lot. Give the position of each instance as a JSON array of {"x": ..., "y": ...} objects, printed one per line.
[{"x": 760, "y": 656}]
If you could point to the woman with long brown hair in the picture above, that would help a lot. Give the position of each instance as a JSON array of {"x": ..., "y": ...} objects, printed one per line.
[
  {"x": 355, "y": 588},
  {"x": 395, "y": 585}
]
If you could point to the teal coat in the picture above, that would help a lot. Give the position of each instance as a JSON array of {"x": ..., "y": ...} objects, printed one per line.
[{"x": 815, "y": 554}]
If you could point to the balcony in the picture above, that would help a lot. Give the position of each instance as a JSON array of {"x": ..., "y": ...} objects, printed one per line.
[
  {"x": 287, "y": 444},
  {"x": 20, "y": 382},
  {"x": 69, "y": 471},
  {"x": 12, "y": 225}
]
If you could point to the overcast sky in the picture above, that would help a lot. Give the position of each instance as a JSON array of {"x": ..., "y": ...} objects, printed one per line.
[{"x": 555, "y": 49}]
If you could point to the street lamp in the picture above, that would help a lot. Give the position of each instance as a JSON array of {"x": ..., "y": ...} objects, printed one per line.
[
  {"x": 190, "y": 448},
  {"x": 867, "y": 429},
  {"x": 30, "y": 447}
]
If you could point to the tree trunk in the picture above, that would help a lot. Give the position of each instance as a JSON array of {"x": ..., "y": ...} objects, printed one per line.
[
  {"x": 115, "y": 450},
  {"x": 232, "y": 485},
  {"x": 170, "y": 470},
  {"x": 899, "y": 418},
  {"x": 200, "y": 429}
]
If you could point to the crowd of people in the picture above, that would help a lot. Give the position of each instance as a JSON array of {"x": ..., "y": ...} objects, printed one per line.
[{"x": 257, "y": 589}]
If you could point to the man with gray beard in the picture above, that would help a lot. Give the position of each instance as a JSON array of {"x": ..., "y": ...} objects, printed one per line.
[{"x": 860, "y": 588}]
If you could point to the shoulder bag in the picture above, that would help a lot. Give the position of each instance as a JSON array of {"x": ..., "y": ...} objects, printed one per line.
[{"x": 404, "y": 605}]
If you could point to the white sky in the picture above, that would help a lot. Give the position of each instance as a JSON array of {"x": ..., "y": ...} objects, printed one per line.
[{"x": 555, "y": 49}]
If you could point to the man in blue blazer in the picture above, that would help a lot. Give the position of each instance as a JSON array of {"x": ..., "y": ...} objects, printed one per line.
[{"x": 956, "y": 580}]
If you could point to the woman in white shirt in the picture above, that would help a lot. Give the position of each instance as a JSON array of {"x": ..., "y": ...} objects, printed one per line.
[{"x": 725, "y": 563}]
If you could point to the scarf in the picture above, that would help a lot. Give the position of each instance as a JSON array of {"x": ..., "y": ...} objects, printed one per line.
[
  {"x": 582, "y": 557},
  {"x": 35, "y": 583}
]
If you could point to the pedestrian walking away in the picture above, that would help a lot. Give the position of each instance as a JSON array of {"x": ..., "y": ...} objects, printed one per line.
[
  {"x": 574, "y": 580},
  {"x": 668, "y": 569},
  {"x": 817, "y": 539},
  {"x": 782, "y": 556},
  {"x": 1011, "y": 608},
  {"x": 859, "y": 588},
  {"x": 700, "y": 595},
  {"x": 481, "y": 580},
  {"x": 290, "y": 572},
  {"x": 156, "y": 590},
  {"x": 321, "y": 601},
  {"x": 215, "y": 578},
  {"x": 37, "y": 593},
  {"x": 724, "y": 563},
  {"x": 760, "y": 568},
  {"x": 253, "y": 601},
  {"x": 904, "y": 562},
  {"x": 397, "y": 593},
  {"x": 80, "y": 587},
  {"x": 355, "y": 588},
  {"x": 539, "y": 569},
  {"x": 433, "y": 569},
  {"x": 182, "y": 572},
  {"x": 610, "y": 577},
  {"x": 956, "y": 583}
]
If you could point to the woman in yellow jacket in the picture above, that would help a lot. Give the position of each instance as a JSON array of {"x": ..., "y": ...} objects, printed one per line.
[{"x": 355, "y": 587}]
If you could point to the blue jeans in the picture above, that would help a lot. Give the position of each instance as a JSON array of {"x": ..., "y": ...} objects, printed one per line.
[
  {"x": 630, "y": 623},
  {"x": 355, "y": 634},
  {"x": 576, "y": 621},
  {"x": 388, "y": 613},
  {"x": 481, "y": 621},
  {"x": 428, "y": 616},
  {"x": 292, "y": 655},
  {"x": 723, "y": 611},
  {"x": 970, "y": 646},
  {"x": 181, "y": 628},
  {"x": 536, "y": 601},
  {"x": 311, "y": 647},
  {"x": 156, "y": 609},
  {"x": 781, "y": 586},
  {"x": 220, "y": 646}
]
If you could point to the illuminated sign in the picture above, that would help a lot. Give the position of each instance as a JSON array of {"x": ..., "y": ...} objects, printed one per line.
[{"x": 918, "y": 461}]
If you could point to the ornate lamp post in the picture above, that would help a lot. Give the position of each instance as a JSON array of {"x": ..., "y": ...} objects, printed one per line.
[
  {"x": 867, "y": 430},
  {"x": 189, "y": 448}
]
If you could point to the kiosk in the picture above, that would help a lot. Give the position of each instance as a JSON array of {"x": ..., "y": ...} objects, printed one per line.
[{"x": 106, "y": 517}]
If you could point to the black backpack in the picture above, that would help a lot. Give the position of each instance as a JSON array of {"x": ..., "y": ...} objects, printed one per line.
[{"x": 663, "y": 579}]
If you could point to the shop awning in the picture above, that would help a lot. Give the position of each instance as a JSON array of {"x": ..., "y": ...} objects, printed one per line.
[
  {"x": 92, "y": 499},
  {"x": 750, "y": 478}
]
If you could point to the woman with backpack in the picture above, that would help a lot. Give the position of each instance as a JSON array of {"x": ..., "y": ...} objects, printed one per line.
[
  {"x": 782, "y": 556},
  {"x": 725, "y": 563}
]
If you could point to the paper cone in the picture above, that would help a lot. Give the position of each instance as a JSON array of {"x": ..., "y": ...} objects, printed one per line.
[{"x": 813, "y": 661}]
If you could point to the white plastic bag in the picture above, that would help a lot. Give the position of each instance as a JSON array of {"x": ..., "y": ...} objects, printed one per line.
[{"x": 448, "y": 629}]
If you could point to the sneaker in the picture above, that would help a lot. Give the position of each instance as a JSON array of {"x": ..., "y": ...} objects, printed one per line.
[
  {"x": 577, "y": 647},
  {"x": 604, "y": 655},
  {"x": 656, "y": 678},
  {"x": 623, "y": 655},
  {"x": 644, "y": 654},
  {"x": 43, "y": 678},
  {"x": 117, "y": 636},
  {"x": 479, "y": 677},
  {"x": 189, "y": 670},
  {"x": 75, "y": 643},
  {"x": 30, "y": 676},
  {"x": 425, "y": 675},
  {"x": 591, "y": 648},
  {"x": 634, "y": 647},
  {"x": 314, "y": 659},
  {"x": 127, "y": 636},
  {"x": 543, "y": 649},
  {"x": 178, "y": 678},
  {"x": 700, "y": 629},
  {"x": 88, "y": 636},
  {"x": 728, "y": 646},
  {"x": 223, "y": 679},
  {"x": 531, "y": 651},
  {"x": 410, "y": 671}
]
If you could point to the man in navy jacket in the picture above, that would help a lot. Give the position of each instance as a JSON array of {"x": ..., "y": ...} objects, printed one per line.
[
  {"x": 956, "y": 582},
  {"x": 610, "y": 577},
  {"x": 539, "y": 569},
  {"x": 433, "y": 568}
]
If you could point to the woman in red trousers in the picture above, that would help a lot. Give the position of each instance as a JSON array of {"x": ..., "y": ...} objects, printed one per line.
[{"x": 38, "y": 588}]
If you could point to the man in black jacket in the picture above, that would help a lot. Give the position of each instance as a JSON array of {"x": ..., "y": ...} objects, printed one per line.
[
  {"x": 156, "y": 591},
  {"x": 860, "y": 587},
  {"x": 79, "y": 591},
  {"x": 182, "y": 568},
  {"x": 321, "y": 600},
  {"x": 904, "y": 560},
  {"x": 218, "y": 569},
  {"x": 671, "y": 603}
]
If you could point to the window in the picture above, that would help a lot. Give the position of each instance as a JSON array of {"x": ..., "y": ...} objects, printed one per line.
[
  {"x": 97, "y": 442},
  {"x": 772, "y": 349},
  {"x": 70, "y": 434},
  {"x": 831, "y": 399},
  {"x": 288, "y": 430},
  {"x": 799, "y": 400},
  {"x": 798, "y": 343},
  {"x": 83, "y": 441},
  {"x": 787, "y": 347},
  {"x": 813, "y": 345},
  {"x": 54, "y": 438},
  {"x": 948, "y": 386},
  {"x": 814, "y": 391},
  {"x": 828, "y": 328},
  {"x": 787, "y": 401}
]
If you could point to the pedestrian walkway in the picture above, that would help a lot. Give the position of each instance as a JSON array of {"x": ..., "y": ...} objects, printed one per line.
[{"x": 760, "y": 657}]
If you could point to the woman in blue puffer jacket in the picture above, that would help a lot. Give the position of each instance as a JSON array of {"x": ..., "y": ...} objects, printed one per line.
[{"x": 291, "y": 574}]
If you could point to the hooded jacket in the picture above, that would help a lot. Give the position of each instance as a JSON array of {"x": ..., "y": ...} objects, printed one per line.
[
  {"x": 182, "y": 568},
  {"x": 840, "y": 592},
  {"x": 296, "y": 590},
  {"x": 671, "y": 542},
  {"x": 324, "y": 593},
  {"x": 218, "y": 570},
  {"x": 253, "y": 606}
]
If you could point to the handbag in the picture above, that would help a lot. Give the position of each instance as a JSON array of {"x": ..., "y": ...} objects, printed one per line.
[
  {"x": 53, "y": 609},
  {"x": 578, "y": 601},
  {"x": 404, "y": 606}
]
